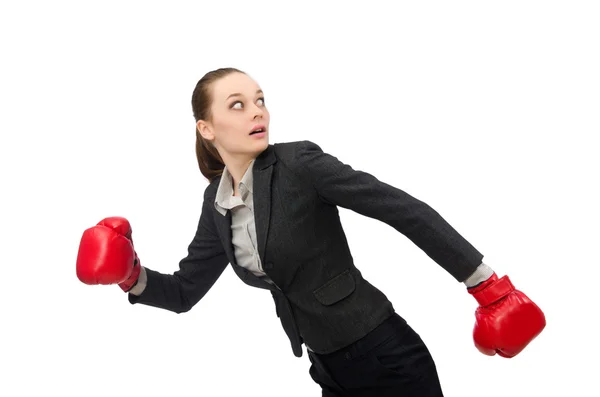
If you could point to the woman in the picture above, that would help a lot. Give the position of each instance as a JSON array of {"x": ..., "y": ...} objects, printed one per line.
[{"x": 272, "y": 212}]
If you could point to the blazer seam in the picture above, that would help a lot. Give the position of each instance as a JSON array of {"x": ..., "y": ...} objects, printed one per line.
[{"x": 307, "y": 170}]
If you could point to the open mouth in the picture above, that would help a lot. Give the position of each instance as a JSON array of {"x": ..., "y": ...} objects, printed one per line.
[{"x": 257, "y": 131}]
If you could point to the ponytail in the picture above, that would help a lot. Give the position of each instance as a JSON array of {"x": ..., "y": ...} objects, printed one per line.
[{"x": 210, "y": 162}]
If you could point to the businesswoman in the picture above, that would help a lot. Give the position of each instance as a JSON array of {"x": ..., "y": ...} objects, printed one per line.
[{"x": 271, "y": 211}]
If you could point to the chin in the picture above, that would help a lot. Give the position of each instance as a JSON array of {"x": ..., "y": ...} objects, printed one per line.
[{"x": 263, "y": 143}]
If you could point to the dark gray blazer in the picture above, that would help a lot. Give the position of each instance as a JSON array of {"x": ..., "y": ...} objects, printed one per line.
[{"x": 321, "y": 298}]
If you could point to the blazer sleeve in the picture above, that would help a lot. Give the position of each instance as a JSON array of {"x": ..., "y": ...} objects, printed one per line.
[
  {"x": 338, "y": 184},
  {"x": 198, "y": 271}
]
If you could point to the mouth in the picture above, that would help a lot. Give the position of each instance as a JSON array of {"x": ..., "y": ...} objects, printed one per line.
[{"x": 258, "y": 129}]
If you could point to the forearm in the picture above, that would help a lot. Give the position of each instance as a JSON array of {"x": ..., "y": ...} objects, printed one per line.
[
  {"x": 180, "y": 291},
  {"x": 159, "y": 290}
]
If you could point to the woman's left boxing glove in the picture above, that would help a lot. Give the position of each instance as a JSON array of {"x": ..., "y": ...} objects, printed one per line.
[
  {"x": 506, "y": 320},
  {"x": 106, "y": 255}
]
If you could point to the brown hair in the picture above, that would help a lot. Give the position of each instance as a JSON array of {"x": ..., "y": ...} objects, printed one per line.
[{"x": 210, "y": 162}]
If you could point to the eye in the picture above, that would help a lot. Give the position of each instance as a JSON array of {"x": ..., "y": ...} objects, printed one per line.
[{"x": 234, "y": 104}]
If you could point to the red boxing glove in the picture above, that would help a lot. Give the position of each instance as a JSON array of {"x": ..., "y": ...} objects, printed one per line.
[
  {"x": 506, "y": 320},
  {"x": 106, "y": 255}
]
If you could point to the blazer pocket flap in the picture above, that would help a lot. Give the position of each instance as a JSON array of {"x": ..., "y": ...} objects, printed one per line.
[{"x": 335, "y": 289}]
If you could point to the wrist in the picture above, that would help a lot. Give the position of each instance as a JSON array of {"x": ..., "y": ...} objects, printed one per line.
[
  {"x": 132, "y": 280},
  {"x": 481, "y": 274},
  {"x": 142, "y": 281}
]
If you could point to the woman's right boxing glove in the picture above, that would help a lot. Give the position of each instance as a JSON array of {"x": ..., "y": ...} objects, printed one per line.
[{"x": 106, "y": 255}]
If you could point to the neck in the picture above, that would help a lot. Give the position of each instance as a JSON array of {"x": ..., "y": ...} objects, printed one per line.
[{"x": 237, "y": 168}]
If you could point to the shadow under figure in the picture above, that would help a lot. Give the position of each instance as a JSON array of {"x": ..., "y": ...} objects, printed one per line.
[{"x": 271, "y": 211}]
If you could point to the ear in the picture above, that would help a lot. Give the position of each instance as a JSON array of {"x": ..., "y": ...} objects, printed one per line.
[{"x": 205, "y": 130}]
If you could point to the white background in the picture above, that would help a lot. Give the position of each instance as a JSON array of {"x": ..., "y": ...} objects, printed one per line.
[{"x": 487, "y": 111}]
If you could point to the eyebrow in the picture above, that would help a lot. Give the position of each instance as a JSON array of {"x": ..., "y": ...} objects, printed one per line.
[{"x": 238, "y": 94}]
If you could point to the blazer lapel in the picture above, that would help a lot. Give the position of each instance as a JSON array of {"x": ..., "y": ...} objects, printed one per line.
[
  {"x": 224, "y": 227},
  {"x": 262, "y": 178}
]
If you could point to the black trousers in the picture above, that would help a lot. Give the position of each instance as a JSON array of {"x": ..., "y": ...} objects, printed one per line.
[{"x": 391, "y": 360}]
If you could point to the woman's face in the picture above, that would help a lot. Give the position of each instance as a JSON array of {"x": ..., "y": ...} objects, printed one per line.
[{"x": 238, "y": 109}]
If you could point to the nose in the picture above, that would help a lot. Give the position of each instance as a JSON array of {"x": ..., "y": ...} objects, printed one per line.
[{"x": 258, "y": 112}]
